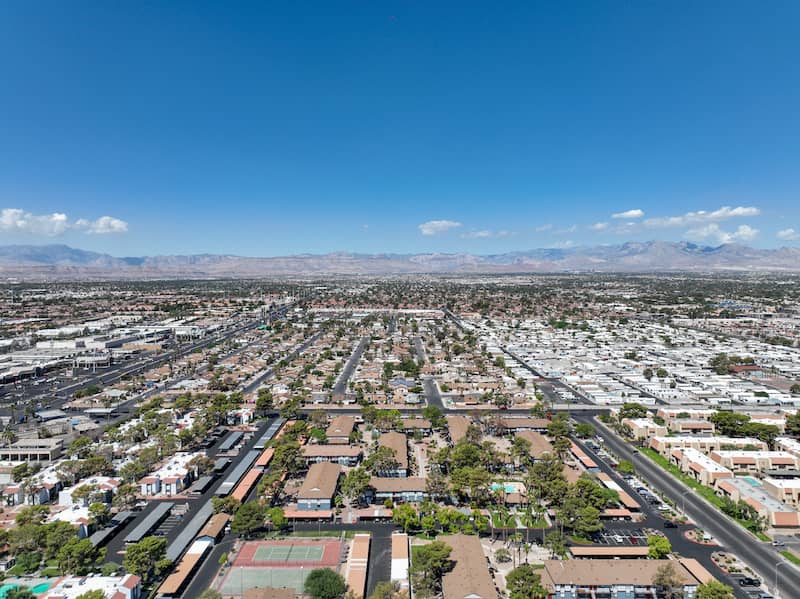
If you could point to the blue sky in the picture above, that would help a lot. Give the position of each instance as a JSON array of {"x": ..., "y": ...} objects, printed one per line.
[{"x": 271, "y": 128}]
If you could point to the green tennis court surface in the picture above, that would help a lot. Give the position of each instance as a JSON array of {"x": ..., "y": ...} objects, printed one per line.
[
  {"x": 291, "y": 553},
  {"x": 241, "y": 579}
]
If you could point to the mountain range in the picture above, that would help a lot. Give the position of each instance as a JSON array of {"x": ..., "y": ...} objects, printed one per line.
[{"x": 61, "y": 262}]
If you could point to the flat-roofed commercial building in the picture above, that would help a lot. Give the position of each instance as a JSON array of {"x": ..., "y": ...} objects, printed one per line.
[
  {"x": 664, "y": 445},
  {"x": 32, "y": 450},
  {"x": 699, "y": 466},
  {"x": 755, "y": 461},
  {"x": 749, "y": 490},
  {"x": 786, "y": 490}
]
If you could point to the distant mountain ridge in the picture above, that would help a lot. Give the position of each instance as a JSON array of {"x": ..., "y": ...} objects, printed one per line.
[{"x": 63, "y": 262}]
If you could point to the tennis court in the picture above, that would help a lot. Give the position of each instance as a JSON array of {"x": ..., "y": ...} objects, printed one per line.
[
  {"x": 289, "y": 553},
  {"x": 292, "y": 553},
  {"x": 241, "y": 579}
]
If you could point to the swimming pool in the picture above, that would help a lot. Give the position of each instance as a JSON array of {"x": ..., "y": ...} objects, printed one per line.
[
  {"x": 507, "y": 487},
  {"x": 751, "y": 481},
  {"x": 41, "y": 588},
  {"x": 5, "y": 588}
]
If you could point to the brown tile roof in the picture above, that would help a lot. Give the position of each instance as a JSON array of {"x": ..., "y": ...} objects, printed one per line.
[
  {"x": 215, "y": 525},
  {"x": 397, "y": 485},
  {"x": 539, "y": 443},
  {"x": 603, "y": 572},
  {"x": 470, "y": 576},
  {"x": 333, "y": 451},
  {"x": 396, "y": 442},
  {"x": 399, "y": 545},
  {"x": 341, "y": 426},
  {"x": 320, "y": 482},
  {"x": 457, "y": 426},
  {"x": 415, "y": 423}
]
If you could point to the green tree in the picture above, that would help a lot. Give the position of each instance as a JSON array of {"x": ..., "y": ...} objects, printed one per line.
[
  {"x": 668, "y": 582},
  {"x": 714, "y": 589},
  {"x": 354, "y": 484},
  {"x": 658, "y": 547},
  {"x": 632, "y": 410},
  {"x": 248, "y": 518},
  {"x": 388, "y": 590},
  {"x": 556, "y": 543},
  {"x": 729, "y": 423},
  {"x": 79, "y": 556},
  {"x": 79, "y": 447},
  {"x": 524, "y": 582},
  {"x": 56, "y": 535},
  {"x": 626, "y": 468},
  {"x": 324, "y": 583},
  {"x": 210, "y": 594},
  {"x": 430, "y": 562},
  {"x": 225, "y": 505},
  {"x": 141, "y": 558},
  {"x": 405, "y": 516},
  {"x": 93, "y": 594},
  {"x": 584, "y": 430},
  {"x": 264, "y": 401},
  {"x": 20, "y": 593}
]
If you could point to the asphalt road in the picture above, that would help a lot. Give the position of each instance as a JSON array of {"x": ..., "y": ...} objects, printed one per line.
[
  {"x": 418, "y": 345},
  {"x": 117, "y": 545},
  {"x": 680, "y": 544},
  {"x": 54, "y": 396},
  {"x": 432, "y": 395},
  {"x": 340, "y": 388},
  {"x": 256, "y": 382},
  {"x": 760, "y": 556}
]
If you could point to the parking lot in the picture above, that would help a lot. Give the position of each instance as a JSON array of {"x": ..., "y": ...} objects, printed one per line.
[{"x": 621, "y": 536}]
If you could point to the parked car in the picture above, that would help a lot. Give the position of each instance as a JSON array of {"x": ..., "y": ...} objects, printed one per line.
[
  {"x": 748, "y": 581},
  {"x": 670, "y": 524},
  {"x": 778, "y": 543}
]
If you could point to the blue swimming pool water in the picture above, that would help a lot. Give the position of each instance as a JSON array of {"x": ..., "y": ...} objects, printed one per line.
[
  {"x": 751, "y": 481},
  {"x": 508, "y": 488}
]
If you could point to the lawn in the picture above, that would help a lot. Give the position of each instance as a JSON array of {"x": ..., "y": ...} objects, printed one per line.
[
  {"x": 706, "y": 493},
  {"x": 791, "y": 557}
]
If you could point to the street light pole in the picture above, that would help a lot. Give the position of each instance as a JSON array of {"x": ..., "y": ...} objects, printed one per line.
[
  {"x": 683, "y": 500},
  {"x": 778, "y": 565}
]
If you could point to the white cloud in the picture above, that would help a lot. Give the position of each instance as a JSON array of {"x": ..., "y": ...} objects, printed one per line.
[
  {"x": 712, "y": 231},
  {"x": 434, "y": 227},
  {"x": 543, "y": 228},
  {"x": 567, "y": 231},
  {"x": 486, "y": 233},
  {"x": 599, "y": 226},
  {"x": 702, "y": 216},
  {"x": 483, "y": 234},
  {"x": 16, "y": 220},
  {"x": 634, "y": 213},
  {"x": 105, "y": 225},
  {"x": 788, "y": 235}
]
